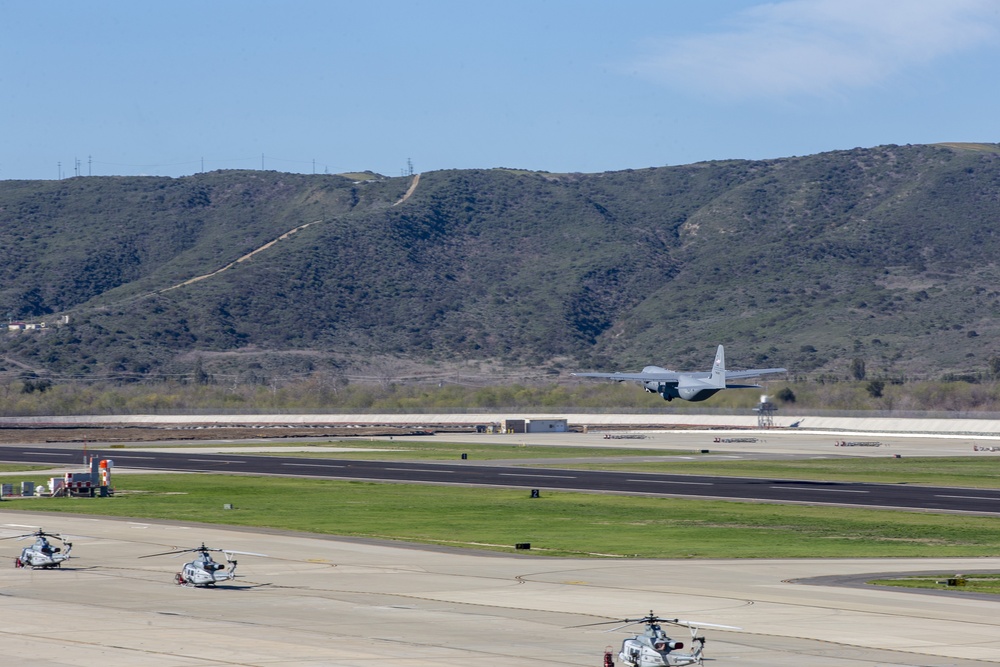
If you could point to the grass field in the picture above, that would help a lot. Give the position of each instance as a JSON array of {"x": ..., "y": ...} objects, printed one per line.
[
  {"x": 973, "y": 583},
  {"x": 558, "y": 524},
  {"x": 564, "y": 523}
]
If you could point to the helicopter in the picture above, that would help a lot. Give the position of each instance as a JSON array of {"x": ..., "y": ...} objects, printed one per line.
[
  {"x": 41, "y": 554},
  {"x": 204, "y": 570},
  {"x": 653, "y": 648}
]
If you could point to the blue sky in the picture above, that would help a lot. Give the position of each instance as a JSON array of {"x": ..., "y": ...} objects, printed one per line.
[{"x": 171, "y": 88}]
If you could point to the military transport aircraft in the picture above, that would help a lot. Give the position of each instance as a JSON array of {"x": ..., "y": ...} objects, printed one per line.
[{"x": 688, "y": 386}]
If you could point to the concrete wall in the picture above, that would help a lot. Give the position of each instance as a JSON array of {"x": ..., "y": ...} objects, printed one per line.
[{"x": 860, "y": 424}]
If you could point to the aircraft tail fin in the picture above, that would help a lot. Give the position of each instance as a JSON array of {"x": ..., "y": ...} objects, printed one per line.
[{"x": 719, "y": 368}]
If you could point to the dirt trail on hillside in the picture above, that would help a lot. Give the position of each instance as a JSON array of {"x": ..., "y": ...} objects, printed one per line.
[
  {"x": 410, "y": 191},
  {"x": 243, "y": 258}
]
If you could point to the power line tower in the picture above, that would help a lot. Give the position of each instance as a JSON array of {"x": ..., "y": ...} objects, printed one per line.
[{"x": 409, "y": 167}]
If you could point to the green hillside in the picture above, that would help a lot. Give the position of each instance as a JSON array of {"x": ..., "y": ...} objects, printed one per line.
[{"x": 887, "y": 255}]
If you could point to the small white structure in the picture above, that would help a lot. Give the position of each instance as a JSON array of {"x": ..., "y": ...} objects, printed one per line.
[{"x": 546, "y": 426}]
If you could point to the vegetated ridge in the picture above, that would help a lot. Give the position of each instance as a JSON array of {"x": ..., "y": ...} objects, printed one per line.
[{"x": 885, "y": 256}]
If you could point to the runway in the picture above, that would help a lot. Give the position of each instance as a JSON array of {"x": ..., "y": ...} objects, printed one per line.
[
  {"x": 328, "y": 601},
  {"x": 469, "y": 473}
]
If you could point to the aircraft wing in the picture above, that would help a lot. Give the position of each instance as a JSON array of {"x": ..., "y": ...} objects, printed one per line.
[
  {"x": 665, "y": 376},
  {"x": 753, "y": 372}
]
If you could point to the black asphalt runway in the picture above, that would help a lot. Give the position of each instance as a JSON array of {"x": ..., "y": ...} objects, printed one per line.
[{"x": 897, "y": 496}]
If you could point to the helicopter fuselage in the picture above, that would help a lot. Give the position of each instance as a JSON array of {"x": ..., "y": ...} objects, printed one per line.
[
  {"x": 206, "y": 572},
  {"x": 655, "y": 649},
  {"x": 42, "y": 555}
]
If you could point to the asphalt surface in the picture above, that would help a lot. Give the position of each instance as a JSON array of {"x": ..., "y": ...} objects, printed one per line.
[{"x": 898, "y": 496}]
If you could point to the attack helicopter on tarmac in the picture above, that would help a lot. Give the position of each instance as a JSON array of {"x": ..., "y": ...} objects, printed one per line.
[
  {"x": 204, "y": 570},
  {"x": 41, "y": 555},
  {"x": 653, "y": 648}
]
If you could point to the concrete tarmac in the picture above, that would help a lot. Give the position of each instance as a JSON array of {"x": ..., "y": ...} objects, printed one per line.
[{"x": 334, "y": 601}]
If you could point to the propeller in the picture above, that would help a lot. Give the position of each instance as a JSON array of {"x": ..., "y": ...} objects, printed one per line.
[
  {"x": 653, "y": 618},
  {"x": 37, "y": 533},
  {"x": 203, "y": 549}
]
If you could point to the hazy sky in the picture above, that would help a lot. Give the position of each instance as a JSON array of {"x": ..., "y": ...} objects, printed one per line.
[{"x": 174, "y": 87}]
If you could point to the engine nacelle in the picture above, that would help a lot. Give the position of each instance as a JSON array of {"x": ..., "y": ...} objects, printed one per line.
[{"x": 667, "y": 391}]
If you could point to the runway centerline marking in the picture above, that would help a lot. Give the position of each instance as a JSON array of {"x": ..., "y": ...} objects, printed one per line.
[
  {"x": 517, "y": 474},
  {"x": 808, "y": 488},
  {"x": 447, "y": 472},
  {"x": 969, "y": 497},
  {"x": 666, "y": 481},
  {"x": 313, "y": 465},
  {"x": 49, "y": 453},
  {"x": 213, "y": 461}
]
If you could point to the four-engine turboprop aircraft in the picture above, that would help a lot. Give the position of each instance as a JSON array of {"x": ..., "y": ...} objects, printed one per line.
[{"x": 688, "y": 386}]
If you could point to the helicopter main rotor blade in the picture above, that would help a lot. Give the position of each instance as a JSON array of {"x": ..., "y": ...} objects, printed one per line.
[
  {"x": 244, "y": 553},
  {"x": 588, "y": 625},
  {"x": 627, "y": 622},
  {"x": 699, "y": 624},
  {"x": 175, "y": 552},
  {"x": 229, "y": 552}
]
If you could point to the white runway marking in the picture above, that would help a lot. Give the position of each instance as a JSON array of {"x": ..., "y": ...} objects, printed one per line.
[
  {"x": 515, "y": 474},
  {"x": 809, "y": 488},
  {"x": 313, "y": 465},
  {"x": 665, "y": 481}
]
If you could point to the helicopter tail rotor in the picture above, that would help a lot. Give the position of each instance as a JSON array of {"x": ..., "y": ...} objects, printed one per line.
[{"x": 700, "y": 650}]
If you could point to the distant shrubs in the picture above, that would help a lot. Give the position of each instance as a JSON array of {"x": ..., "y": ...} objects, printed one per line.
[
  {"x": 313, "y": 396},
  {"x": 875, "y": 388},
  {"x": 785, "y": 395}
]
